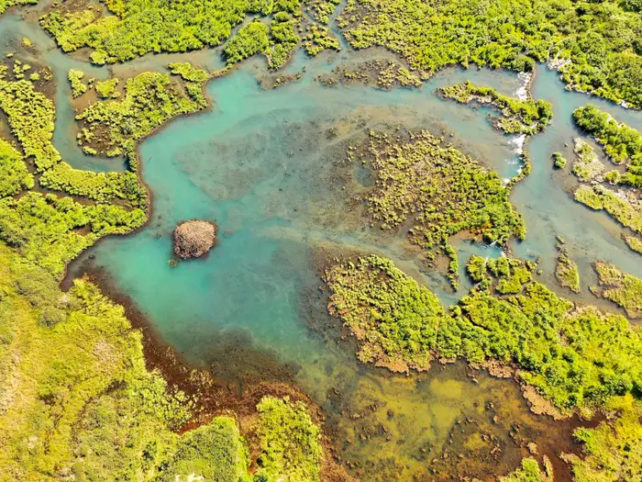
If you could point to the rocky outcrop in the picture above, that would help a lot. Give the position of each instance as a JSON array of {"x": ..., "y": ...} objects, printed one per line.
[{"x": 194, "y": 238}]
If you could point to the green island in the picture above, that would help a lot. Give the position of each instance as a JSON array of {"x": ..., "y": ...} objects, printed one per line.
[
  {"x": 517, "y": 116},
  {"x": 633, "y": 242},
  {"x": 622, "y": 144},
  {"x": 373, "y": 307},
  {"x": 559, "y": 161},
  {"x": 566, "y": 271}
]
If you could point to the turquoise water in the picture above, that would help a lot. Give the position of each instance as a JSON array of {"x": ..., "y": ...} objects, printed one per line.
[{"x": 268, "y": 167}]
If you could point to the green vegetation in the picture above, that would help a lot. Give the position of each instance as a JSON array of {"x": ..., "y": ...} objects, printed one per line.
[
  {"x": 107, "y": 88},
  {"x": 78, "y": 87},
  {"x": 113, "y": 127},
  {"x": 395, "y": 320},
  {"x": 31, "y": 117},
  {"x": 290, "y": 442},
  {"x": 76, "y": 398},
  {"x": 440, "y": 190},
  {"x": 559, "y": 161},
  {"x": 612, "y": 450},
  {"x": 623, "y": 205},
  {"x": 125, "y": 30},
  {"x": 14, "y": 175},
  {"x": 5, "y": 4},
  {"x": 575, "y": 358},
  {"x": 622, "y": 144},
  {"x": 530, "y": 471},
  {"x": 250, "y": 40},
  {"x": 566, "y": 271},
  {"x": 621, "y": 288},
  {"x": 383, "y": 74},
  {"x": 518, "y": 116},
  {"x": 586, "y": 165},
  {"x": 577, "y": 38},
  {"x": 633, "y": 242}
]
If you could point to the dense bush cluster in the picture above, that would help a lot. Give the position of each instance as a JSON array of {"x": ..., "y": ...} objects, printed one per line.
[
  {"x": 621, "y": 143},
  {"x": 419, "y": 178},
  {"x": 290, "y": 442},
  {"x": 526, "y": 116},
  {"x": 595, "y": 45},
  {"x": 77, "y": 400},
  {"x": 574, "y": 358},
  {"x": 134, "y": 28},
  {"x": 5, "y": 4},
  {"x": 14, "y": 175},
  {"x": 78, "y": 87}
]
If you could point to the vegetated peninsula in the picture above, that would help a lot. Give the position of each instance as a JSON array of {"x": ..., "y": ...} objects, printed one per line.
[{"x": 518, "y": 116}]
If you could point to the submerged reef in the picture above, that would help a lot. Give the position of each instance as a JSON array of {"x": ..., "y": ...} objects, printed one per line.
[
  {"x": 518, "y": 116},
  {"x": 194, "y": 238}
]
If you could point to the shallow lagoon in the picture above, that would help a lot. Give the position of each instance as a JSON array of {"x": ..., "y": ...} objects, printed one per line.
[{"x": 267, "y": 168}]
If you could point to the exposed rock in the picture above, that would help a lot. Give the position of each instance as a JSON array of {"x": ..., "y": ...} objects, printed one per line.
[{"x": 194, "y": 238}]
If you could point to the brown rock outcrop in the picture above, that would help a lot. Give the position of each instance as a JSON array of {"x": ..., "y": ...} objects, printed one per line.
[{"x": 194, "y": 238}]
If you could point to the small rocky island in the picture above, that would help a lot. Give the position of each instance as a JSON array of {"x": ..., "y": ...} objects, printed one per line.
[{"x": 194, "y": 238}]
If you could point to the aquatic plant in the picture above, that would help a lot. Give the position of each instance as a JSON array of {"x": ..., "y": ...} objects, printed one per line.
[
  {"x": 586, "y": 165},
  {"x": 613, "y": 449},
  {"x": 621, "y": 288},
  {"x": 575, "y": 358},
  {"x": 623, "y": 205},
  {"x": 290, "y": 441},
  {"x": 621, "y": 143},
  {"x": 577, "y": 40},
  {"x": 559, "y": 161},
  {"x": 518, "y": 116},
  {"x": 78, "y": 87},
  {"x": 384, "y": 74},
  {"x": 419, "y": 178}
]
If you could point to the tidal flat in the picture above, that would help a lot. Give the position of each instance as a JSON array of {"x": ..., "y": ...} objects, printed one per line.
[{"x": 270, "y": 167}]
